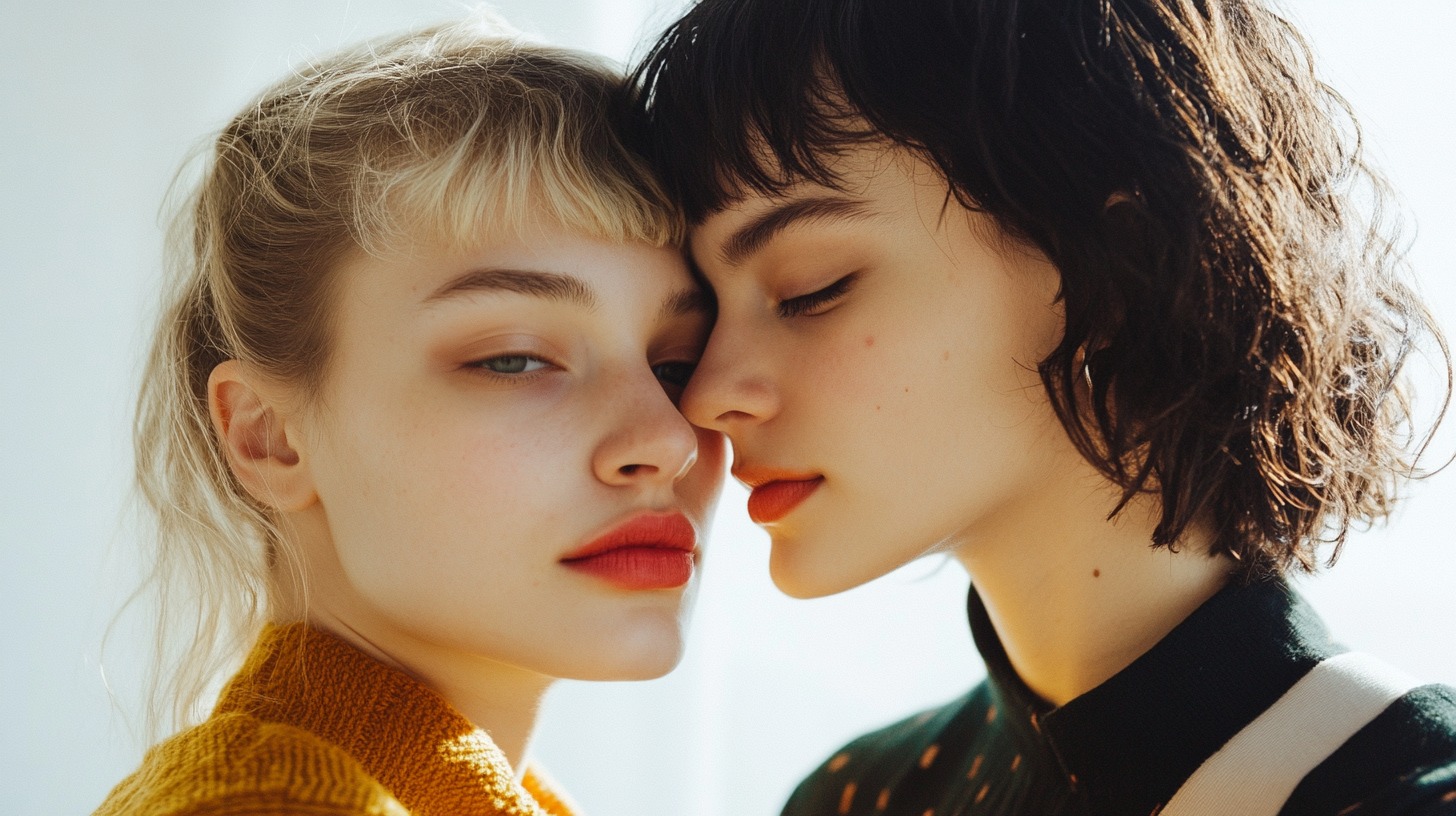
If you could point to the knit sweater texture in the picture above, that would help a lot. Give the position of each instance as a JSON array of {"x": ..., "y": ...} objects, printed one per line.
[{"x": 311, "y": 725}]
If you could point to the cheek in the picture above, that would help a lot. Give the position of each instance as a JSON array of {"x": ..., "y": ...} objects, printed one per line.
[
  {"x": 990, "y": 334},
  {"x": 431, "y": 519},
  {"x": 879, "y": 372},
  {"x": 942, "y": 385},
  {"x": 438, "y": 473},
  {"x": 494, "y": 469},
  {"x": 852, "y": 368}
]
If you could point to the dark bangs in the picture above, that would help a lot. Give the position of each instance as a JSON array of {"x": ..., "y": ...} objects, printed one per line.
[
  {"x": 731, "y": 102},
  {"x": 755, "y": 96}
]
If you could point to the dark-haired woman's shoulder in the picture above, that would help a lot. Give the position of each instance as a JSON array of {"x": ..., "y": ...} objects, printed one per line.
[
  {"x": 1429, "y": 791},
  {"x": 1404, "y": 761},
  {"x": 973, "y": 756}
]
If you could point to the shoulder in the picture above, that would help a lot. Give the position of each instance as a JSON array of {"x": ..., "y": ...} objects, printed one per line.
[
  {"x": 233, "y": 765},
  {"x": 1402, "y": 762},
  {"x": 873, "y": 759}
]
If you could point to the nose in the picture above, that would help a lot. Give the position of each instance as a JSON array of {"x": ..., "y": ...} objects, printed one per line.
[
  {"x": 649, "y": 442},
  {"x": 731, "y": 387}
]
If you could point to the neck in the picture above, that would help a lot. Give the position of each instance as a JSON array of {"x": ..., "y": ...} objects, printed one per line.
[
  {"x": 1075, "y": 598},
  {"x": 501, "y": 699},
  {"x": 498, "y": 697}
]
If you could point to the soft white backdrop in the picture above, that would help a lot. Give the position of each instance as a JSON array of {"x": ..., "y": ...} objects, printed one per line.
[{"x": 100, "y": 103}]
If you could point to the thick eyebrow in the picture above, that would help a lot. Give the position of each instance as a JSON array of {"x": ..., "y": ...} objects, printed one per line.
[
  {"x": 687, "y": 302},
  {"x": 752, "y": 237},
  {"x": 551, "y": 285},
  {"x": 555, "y": 286}
]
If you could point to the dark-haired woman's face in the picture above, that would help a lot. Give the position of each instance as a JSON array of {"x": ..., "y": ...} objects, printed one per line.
[{"x": 874, "y": 364}]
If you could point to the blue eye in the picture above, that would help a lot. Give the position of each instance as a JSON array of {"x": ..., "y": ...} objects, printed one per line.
[
  {"x": 512, "y": 364},
  {"x": 815, "y": 302}
]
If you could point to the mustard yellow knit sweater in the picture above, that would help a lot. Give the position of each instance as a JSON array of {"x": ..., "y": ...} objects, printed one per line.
[{"x": 311, "y": 725}]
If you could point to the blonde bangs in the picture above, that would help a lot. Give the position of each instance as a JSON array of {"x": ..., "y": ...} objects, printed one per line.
[
  {"x": 468, "y": 194},
  {"x": 505, "y": 132}
]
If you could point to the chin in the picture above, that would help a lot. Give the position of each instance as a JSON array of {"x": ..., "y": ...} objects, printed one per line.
[
  {"x": 802, "y": 570},
  {"x": 645, "y": 647},
  {"x": 805, "y": 578}
]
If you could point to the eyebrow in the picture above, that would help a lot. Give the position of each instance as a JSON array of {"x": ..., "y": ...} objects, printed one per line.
[
  {"x": 550, "y": 285},
  {"x": 556, "y": 286},
  {"x": 754, "y": 235},
  {"x": 685, "y": 302}
]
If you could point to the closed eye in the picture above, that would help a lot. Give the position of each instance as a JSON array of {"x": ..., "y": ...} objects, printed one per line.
[{"x": 819, "y": 301}]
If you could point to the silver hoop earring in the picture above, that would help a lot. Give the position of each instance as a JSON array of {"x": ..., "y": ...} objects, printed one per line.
[{"x": 1094, "y": 366}]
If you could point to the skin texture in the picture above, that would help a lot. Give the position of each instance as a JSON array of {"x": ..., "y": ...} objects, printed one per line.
[
  {"x": 912, "y": 392},
  {"x": 465, "y": 439}
]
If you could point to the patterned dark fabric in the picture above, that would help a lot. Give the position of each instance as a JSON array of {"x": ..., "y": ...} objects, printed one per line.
[{"x": 1124, "y": 748}]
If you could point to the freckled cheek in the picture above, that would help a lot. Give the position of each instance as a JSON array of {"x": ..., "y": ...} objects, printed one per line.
[
  {"x": 877, "y": 372},
  {"x": 845, "y": 370}
]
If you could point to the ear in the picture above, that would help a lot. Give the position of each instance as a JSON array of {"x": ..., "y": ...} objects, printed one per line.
[{"x": 250, "y": 417}]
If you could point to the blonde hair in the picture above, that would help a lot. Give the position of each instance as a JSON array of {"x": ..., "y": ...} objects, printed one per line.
[{"x": 454, "y": 132}]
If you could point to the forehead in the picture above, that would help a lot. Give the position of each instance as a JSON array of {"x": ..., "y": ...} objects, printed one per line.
[
  {"x": 869, "y": 180},
  {"x": 420, "y": 273}
]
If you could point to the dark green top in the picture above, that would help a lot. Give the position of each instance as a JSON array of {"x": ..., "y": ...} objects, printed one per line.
[{"x": 1126, "y": 746}]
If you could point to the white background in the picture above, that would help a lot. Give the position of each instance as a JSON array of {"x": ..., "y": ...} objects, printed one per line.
[{"x": 99, "y": 104}]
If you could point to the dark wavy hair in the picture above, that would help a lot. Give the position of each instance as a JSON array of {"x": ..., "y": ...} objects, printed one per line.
[{"x": 1237, "y": 325}]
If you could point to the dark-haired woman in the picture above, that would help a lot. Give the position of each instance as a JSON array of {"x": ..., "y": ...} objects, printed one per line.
[{"x": 1081, "y": 297}]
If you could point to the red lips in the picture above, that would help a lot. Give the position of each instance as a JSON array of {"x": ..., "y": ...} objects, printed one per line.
[
  {"x": 647, "y": 551},
  {"x": 775, "y": 493}
]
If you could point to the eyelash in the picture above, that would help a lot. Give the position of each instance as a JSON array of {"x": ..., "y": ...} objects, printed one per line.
[
  {"x": 482, "y": 366},
  {"x": 690, "y": 365},
  {"x": 805, "y": 305},
  {"x": 515, "y": 378}
]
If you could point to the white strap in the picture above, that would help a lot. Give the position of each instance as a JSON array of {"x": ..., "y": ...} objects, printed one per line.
[{"x": 1254, "y": 773}]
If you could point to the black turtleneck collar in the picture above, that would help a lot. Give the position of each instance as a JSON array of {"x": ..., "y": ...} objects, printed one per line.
[
  {"x": 1128, "y": 744},
  {"x": 1124, "y": 748}
]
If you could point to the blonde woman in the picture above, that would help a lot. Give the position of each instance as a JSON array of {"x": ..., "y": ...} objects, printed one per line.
[{"x": 409, "y": 429}]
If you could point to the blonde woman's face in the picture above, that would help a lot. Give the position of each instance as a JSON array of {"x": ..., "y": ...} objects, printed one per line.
[{"x": 501, "y": 468}]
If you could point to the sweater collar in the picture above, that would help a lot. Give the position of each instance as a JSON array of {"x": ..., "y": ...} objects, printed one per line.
[
  {"x": 1128, "y": 744},
  {"x": 432, "y": 759}
]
